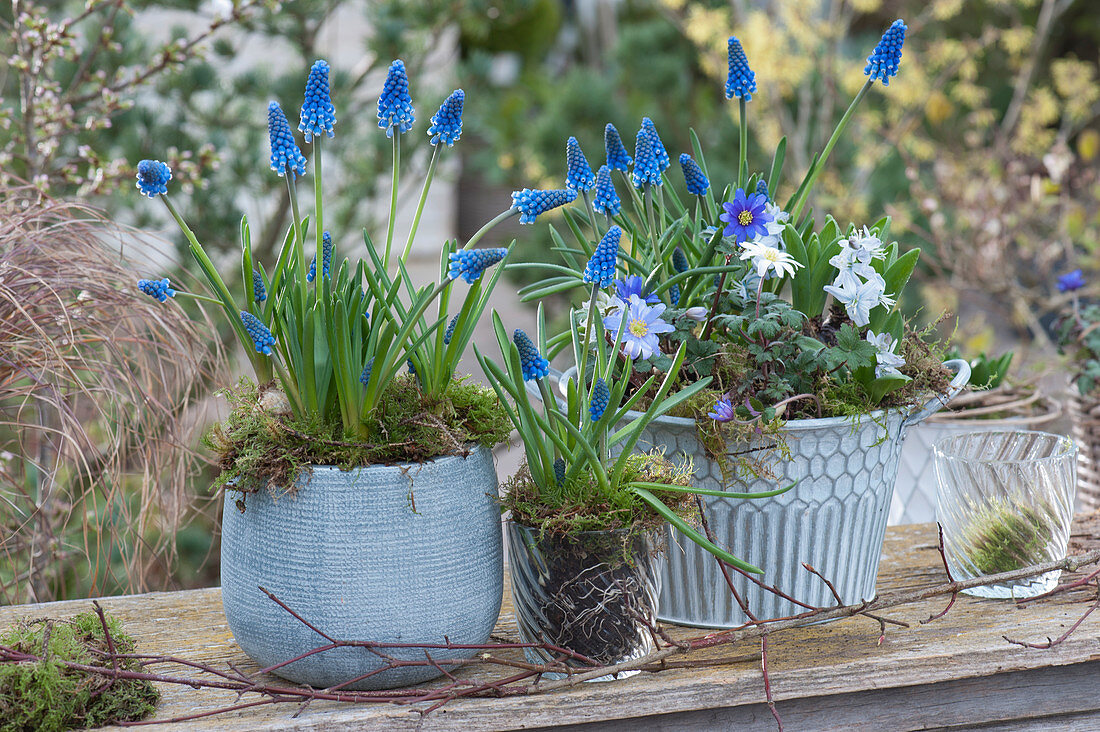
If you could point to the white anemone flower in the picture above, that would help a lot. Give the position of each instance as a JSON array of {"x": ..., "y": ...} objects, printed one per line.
[
  {"x": 765, "y": 257},
  {"x": 858, "y": 301},
  {"x": 887, "y": 359}
]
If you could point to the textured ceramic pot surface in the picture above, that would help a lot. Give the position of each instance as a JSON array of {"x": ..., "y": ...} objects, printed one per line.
[
  {"x": 834, "y": 519},
  {"x": 593, "y": 593},
  {"x": 401, "y": 554}
]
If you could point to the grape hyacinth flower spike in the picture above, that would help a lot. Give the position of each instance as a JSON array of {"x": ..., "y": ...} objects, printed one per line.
[
  {"x": 285, "y": 154},
  {"x": 646, "y": 170},
  {"x": 600, "y": 269},
  {"x": 697, "y": 183},
  {"x": 326, "y": 259},
  {"x": 153, "y": 177},
  {"x": 679, "y": 260},
  {"x": 450, "y": 332},
  {"x": 601, "y": 395},
  {"x": 885, "y": 59},
  {"x": 447, "y": 122},
  {"x": 364, "y": 377},
  {"x": 762, "y": 190},
  {"x": 530, "y": 202},
  {"x": 159, "y": 289},
  {"x": 318, "y": 115},
  {"x": 259, "y": 292},
  {"x": 394, "y": 103},
  {"x": 663, "y": 161},
  {"x": 578, "y": 173},
  {"x": 741, "y": 82},
  {"x": 606, "y": 200},
  {"x": 533, "y": 365},
  {"x": 615, "y": 151},
  {"x": 469, "y": 264},
  {"x": 258, "y": 332}
]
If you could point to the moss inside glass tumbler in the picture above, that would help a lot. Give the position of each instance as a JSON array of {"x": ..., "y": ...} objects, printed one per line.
[
  {"x": 1005, "y": 502},
  {"x": 593, "y": 593}
]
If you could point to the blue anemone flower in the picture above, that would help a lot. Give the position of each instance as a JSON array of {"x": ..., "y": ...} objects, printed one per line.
[
  {"x": 722, "y": 411},
  {"x": 663, "y": 161},
  {"x": 153, "y": 177},
  {"x": 633, "y": 285},
  {"x": 469, "y": 264},
  {"x": 258, "y": 332},
  {"x": 394, "y": 103},
  {"x": 1068, "y": 282},
  {"x": 601, "y": 267},
  {"x": 606, "y": 200},
  {"x": 741, "y": 82},
  {"x": 285, "y": 154},
  {"x": 745, "y": 216},
  {"x": 578, "y": 173},
  {"x": 646, "y": 169},
  {"x": 318, "y": 114},
  {"x": 259, "y": 292},
  {"x": 533, "y": 365},
  {"x": 447, "y": 122},
  {"x": 697, "y": 183},
  {"x": 601, "y": 395},
  {"x": 530, "y": 202},
  {"x": 162, "y": 289},
  {"x": 885, "y": 59},
  {"x": 614, "y": 150}
]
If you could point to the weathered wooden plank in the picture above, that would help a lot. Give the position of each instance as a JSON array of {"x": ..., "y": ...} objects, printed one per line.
[{"x": 817, "y": 673}]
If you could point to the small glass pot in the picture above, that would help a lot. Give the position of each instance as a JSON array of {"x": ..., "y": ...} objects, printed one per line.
[
  {"x": 1005, "y": 501},
  {"x": 593, "y": 593}
]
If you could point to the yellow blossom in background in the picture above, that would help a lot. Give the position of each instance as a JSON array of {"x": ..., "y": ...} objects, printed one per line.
[
  {"x": 946, "y": 9},
  {"x": 1088, "y": 144},
  {"x": 1017, "y": 40},
  {"x": 1075, "y": 81},
  {"x": 866, "y": 6},
  {"x": 938, "y": 107}
]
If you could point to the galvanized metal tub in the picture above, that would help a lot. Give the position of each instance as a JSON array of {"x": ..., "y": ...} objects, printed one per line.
[
  {"x": 834, "y": 519},
  {"x": 396, "y": 554}
]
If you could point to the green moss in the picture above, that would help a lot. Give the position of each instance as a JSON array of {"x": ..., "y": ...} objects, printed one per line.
[
  {"x": 582, "y": 505},
  {"x": 46, "y": 696},
  {"x": 261, "y": 445},
  {"x": 1007, "y": 536}
]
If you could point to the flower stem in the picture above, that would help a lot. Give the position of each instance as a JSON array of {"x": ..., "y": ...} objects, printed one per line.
[
  {"x": 652, "y": 227},
  {"x": 743, "y": 146},
  {"x": 319, "y": 224},
  {"x": 201, "y": 298},
  {"x": 420, "y": 206},
  {"x": 299, "y": 242},
  {"x": 507, "y": 214},
  {"x": 393, "y": 196},
  {"x": 591, "y": 214},
  {"x": 815, "y": 170},
  {"x": 583, "y": 361},
  {"x": 714, "y": 305}
]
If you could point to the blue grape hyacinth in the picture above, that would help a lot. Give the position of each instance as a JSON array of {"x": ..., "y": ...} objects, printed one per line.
[
  {"x": 159, "y": 289},
  {"x": 259, "y": 292},
  {"x": 318, "y": 114},
  {"x": 450, "y": 332},
  {"x": 646, "y": 170},
  {"x": 326, "y": 259},
  {"x": 258, "y": 332},
  {"x": 601, "y": 267},
  {"x": 533, "y": 365},
  {"x": 530, "y": 202},
  {"x": 469, "y": 264},
  {"x": 615, "y": 151},
  {"x": 364, "y": 377},
  {"x": 674, "y": 295},
  {"x": 697, "y": 183},
  {"x": 394, "y": 103},
  {"x": 447, "y": 122},
  {"x": 578, "y": 173},
  {"x": 559, "y": 470},
  {"x": 741, "y": 82},
  {"x": 601, "y": 395},
  {"x": 663, "y": 161},
  {"x": 679, "y": 260},
  {"x": 885, "y": 59},
  {"x": 285, "y": 154},
  {"x": 762, "y": 189},
  {"x": 153, "y": 177},
  {"x": 606, "y": 201}
]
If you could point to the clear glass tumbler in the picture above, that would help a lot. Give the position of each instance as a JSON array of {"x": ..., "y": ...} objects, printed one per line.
[
  {"x": 1005, "y": 501},
  {"x": 593, "y": 593}
]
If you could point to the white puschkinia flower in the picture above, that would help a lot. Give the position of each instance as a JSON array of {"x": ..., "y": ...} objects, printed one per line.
[
  {"x": 888, "y": 361},
  {"x": 697, "y": 313},
  {"x": 776, "y": 225},
  {"x": 859, "y": 301},
  {"x": 868, "y": 242},
  {"x": 765, "y": 257}
]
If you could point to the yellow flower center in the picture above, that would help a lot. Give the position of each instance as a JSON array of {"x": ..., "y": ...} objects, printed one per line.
[
  {"x": 638, "y": 328},
  {"x": 772, "y": 255},
  {"x": 745, "y": 217}
]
